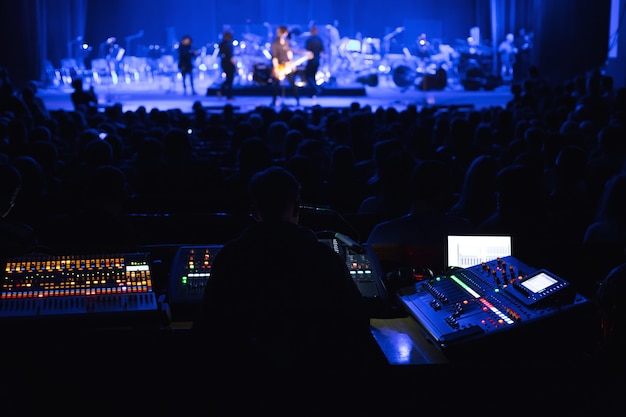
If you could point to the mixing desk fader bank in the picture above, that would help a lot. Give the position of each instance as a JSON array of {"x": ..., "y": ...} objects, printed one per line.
[{"x": 80, "y": 286}]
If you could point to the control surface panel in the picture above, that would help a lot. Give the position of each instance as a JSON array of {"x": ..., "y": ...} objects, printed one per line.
[{"x": 491, "y": 297}]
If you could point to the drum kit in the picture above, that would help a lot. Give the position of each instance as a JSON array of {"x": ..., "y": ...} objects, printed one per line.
[{"x": 253, "y": 60}]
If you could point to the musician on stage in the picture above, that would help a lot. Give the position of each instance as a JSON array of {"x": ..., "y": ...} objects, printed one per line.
[
  {"x": 185, "y": 62},
  {"x": 332, "y": 47},
  {"x": 315, "y": 45},
  {"x": 282, "y": 58},
  {"x": 113, "y": 56},
  {"x": 524, "y": 45},
  {"x": 424, "y": 47},
  {"x": 507, "y": 52},
  {"x": 227, "y": 59}
]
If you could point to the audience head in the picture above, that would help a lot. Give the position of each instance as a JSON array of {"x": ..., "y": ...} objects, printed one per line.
[
  {"x": 253, "y": 155},
  {"x": 275, "y": 195},
  {"x": 105, "y": 189},
  {"x": 611, "y": 139},
  {"x": 177, "y": 145},
  {"x": 382, "y": 150},
  {"x": 342, "y": 159},
  {"x": 430, "y": 183},
  {"x": 282, "y": 30},
  {"x": 477, "y": 198},
  {"x": 613, "y": 200},
  {"x": 98, "y": 152},
  {"x": 276, "y": 134},
  {"x": 518, "y": 190},
  {"x": 77, "y": 84},
  {"x": 570, "y": 162},
  {"x": 293, "y": 138},
  {"x": 34, "y": 183}
]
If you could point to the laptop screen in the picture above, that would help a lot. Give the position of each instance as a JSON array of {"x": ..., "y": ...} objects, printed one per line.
[{"x": 464, "y": 251}]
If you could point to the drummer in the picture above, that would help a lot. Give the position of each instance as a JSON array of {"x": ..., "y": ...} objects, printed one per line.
[{"x": 424, "y": 47}]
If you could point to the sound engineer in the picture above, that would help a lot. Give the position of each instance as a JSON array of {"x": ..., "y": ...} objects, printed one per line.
[{"x": 278, "y": 299}]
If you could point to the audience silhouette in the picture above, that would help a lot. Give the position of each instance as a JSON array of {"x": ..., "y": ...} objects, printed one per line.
[
  {"x": 548, "y": 169},
  {"x": 390, "y": 182},
  {"x": 477, "y": 199},
  {"x": 609, "y": 223},
  {"x": 418, "y": 238},
  {"x": 159, "y": 155},
  {"x": 568, "y": 194},
  {"x": 85, "y": 101}
]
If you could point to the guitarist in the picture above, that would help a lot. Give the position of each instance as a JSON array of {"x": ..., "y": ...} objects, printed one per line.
[
  {"x": 282, "y": 63},
  {"x": 185, "y": 62}
]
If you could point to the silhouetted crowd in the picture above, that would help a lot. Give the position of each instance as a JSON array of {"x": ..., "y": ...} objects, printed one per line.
[
  {"x": 547, "y": 168},
  {"x": 563, "y": 145}
]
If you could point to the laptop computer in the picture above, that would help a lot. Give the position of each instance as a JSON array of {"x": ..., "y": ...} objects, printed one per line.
[{"x": 464, "y": 251}]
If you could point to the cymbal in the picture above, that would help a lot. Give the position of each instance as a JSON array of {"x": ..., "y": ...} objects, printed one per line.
[{"x": 478, "y": 49}]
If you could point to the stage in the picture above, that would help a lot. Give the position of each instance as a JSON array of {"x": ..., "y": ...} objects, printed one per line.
[{"x": 167, "y": 93}]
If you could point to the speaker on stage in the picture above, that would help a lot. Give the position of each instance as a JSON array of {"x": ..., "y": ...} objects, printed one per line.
[
  {"x": 474, "y": 78},
  {"x": 492, "y": 82},
  {"x": 436, "y": 81},
  {"x": 261, "y": 74},
  {"x": 371, "y": 80}
]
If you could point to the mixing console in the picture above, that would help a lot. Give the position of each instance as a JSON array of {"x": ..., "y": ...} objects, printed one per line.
[
  {"x": 86, "y": 285},
  {"x": 366, "y": 271},
  {"x": 491, "y": 297},
  {"x": 191, "y": 269}
]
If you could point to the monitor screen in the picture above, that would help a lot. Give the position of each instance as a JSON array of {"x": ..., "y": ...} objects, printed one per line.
[
  {"x": 465, "y": 251},
  {"x": 539, "y": 282}
]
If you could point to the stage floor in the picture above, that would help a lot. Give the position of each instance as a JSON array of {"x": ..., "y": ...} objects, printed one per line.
[{"x": 168, "y": 94}]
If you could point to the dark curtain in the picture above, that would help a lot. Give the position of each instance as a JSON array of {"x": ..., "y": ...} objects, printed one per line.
[
  {"x": 571, "y": 38},
  {"x": 36, "y": 36},
  {"x": 64, "y": 32},
  {"x": 617, "y": 63},
  {"x": 20, "y": 50}
]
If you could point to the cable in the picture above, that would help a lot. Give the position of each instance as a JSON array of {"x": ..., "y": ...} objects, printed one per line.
[{"x": 336, "y": 213}]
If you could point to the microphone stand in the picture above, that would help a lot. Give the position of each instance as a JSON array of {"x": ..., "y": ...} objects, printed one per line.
[{"x": 132, "y": 37}]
